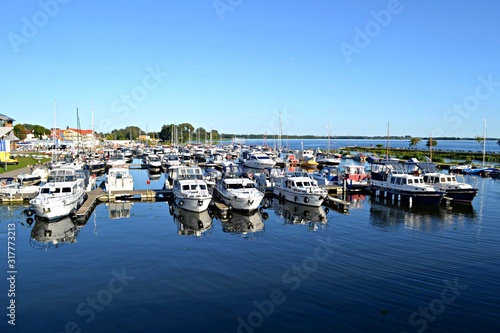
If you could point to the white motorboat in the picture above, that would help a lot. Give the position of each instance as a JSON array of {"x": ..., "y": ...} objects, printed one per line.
[
  {"x": 171, "y": 160},
  {"x": 154, "y": 163},
  {"x": 258, "y": 160},
  {"x": 61, "y": 196},
  {"x": 300, "y": 188},
  {"x": 390, "y": 180},
  {"x": 11, "y": 188},
  {"x": 119, "y": 179},
  {"x": 116, "y": 159},
  {"x": 460, "y": 192},
  {"x": 328, "y": 159},
  {"x": 236, "y": 191},
  {"x": 190, "y": 189}
]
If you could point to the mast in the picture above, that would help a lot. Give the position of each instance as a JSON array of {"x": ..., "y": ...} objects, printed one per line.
[
  {"x": 54, "y": 135},
  {"x": 484, "y": 142},
  {"x": 387, "y": 148},
  {"x": 430, "y": 146},
  {"x": 93, "y": 134}
]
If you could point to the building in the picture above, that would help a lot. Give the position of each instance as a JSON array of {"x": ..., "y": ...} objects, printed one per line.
[{"x": 6, "y": 132}]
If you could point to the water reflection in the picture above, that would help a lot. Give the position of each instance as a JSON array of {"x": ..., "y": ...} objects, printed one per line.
[
  {"x": 191, "y": 223},
  {"x": 54, "y": 234},
  {"x": 386, "y": 215},
  {"x": 292, "y": 213},
  {"x": 243, "y": 224},
  {"x": 119, "y": 209}
]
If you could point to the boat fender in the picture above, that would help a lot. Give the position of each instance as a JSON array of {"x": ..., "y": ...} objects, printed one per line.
[
  {"x": 29, "y": 212},
  {"x": 200, "y": 224},
  {"x": 29, "y": 220},
  {"x": 265, "y": 215},
  {"x": 180, "y": 218},
  {"x": 327, "y": 210},
  {"x": 72, "y": 214},
  {"x": 306, "y": 199},
  {"x": 200, "y": 203},
  {"x": 295, "y": 199},
  {"x": 181, "y": 203}
]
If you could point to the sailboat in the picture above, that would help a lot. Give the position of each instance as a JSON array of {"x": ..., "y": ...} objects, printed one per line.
[{"x": 483, "y": 170}]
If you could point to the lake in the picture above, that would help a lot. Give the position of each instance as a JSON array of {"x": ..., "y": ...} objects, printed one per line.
[{"x": 134, "y": 267}]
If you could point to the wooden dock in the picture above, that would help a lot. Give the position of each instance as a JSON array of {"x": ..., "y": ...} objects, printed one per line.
[{"x": 99, "y": 195}]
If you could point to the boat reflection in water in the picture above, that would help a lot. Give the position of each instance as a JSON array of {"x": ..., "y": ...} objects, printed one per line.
[
  {"x": 119, "y": 209},
  {"x": 54, "y": 234},
  {"x": 191, "y": 223},
  {"x": 292, "y": 213},
  {"x": 387, "y": 215},
  {"x": 246, "y": 225}
]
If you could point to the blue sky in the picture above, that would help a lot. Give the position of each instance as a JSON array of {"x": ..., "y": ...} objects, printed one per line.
[{"x": 424, "y": 67}]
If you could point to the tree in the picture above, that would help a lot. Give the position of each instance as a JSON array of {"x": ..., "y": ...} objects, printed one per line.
[
  {"x": 431, "y": 141},
  {"x": 414, "y": 142},
  {"x": 379, "y": 145},
  {"x": 20, "y": 131},
  {"x": 498, "y": 142}
]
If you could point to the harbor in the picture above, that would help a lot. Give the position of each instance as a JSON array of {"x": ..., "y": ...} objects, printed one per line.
[{"x": 237, "y": 258}]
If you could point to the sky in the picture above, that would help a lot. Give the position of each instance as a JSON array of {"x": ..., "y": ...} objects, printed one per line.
[{"x": 301, "y": 67}]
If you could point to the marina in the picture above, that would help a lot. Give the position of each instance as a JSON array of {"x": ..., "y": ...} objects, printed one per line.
[{"x": 374, "y": 253}]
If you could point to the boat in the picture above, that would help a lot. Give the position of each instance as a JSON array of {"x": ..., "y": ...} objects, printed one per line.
[
  {"x": 258, "y": 160},
  {"x": 301, "y": 188},
  {"x": 289, "y": 159},
  {"x": 29, "y": 179},
  {"x": 116, "y": 158},
  {"x": 460, "y": 192},
  {"x": 389, "y": 179},
  {"x": 171, "y": 160},
  {"x": 354, "y": 177},
  {"x": 61, "y": 196},
  {"x": 190, "y": 189},
  {"x": 328, "y": 175},
  {"x": 119, "y": 179},
  {"x": 154, "y": 163},
  {"x": 327, "y": 159},
  {"x": 12, "y": 188},
  {"x": 309, "y": 163},
  {"x": 236, "y": 190}
]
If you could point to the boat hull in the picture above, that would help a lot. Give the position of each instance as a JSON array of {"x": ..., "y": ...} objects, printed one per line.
[
  {"x": 192, "y": 204},
  {"x": 301, "y": 198},
  {"x": 411, "y": 197}
]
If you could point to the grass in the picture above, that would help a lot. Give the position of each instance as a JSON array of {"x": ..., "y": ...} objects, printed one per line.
[{"x": 23, "y": 162}]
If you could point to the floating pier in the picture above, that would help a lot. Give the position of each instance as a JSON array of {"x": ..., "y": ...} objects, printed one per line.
[
  {"x": 341, "y": 205},
  {"x": 99, "y": 195}
]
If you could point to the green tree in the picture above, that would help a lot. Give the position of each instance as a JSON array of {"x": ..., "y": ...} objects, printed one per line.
[
  {"x": 430, "y": 142},
  {"x": 20, "y": 131},
  {"x": 414, "y": 142}
]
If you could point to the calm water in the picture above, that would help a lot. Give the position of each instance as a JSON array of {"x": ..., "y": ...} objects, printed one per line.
[
  {"x": 379, "y": 268},
  {"x": 454, "y": 145}
]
